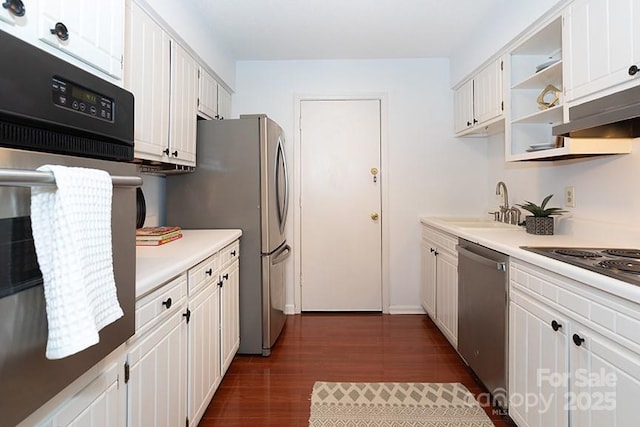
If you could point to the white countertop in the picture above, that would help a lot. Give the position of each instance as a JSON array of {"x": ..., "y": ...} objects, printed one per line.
[
  {"x": 509, "y": 242},
  {"x": 155, "y": 265}
]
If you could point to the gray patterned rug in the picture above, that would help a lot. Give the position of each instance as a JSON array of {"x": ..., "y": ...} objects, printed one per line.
[{"x": 395, "y": 405}]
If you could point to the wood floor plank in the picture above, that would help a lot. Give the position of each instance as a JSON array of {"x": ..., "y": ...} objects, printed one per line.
[{"x": 276, "y": 390}]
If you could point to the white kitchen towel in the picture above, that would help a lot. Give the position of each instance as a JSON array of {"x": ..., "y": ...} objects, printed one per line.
[{"x": 71, "y": 224}]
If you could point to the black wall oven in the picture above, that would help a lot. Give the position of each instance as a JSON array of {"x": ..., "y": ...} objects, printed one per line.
[{"x": 54, "y": 113}]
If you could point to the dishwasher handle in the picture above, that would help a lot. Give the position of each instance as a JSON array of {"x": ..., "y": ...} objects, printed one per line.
[{"x": 499, "y": 265}]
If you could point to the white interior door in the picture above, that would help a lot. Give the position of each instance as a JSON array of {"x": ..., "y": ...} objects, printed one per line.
[{"x": 341, "y": 216}]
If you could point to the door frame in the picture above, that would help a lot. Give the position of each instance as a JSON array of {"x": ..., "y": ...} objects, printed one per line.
[{"x": 384, "y": 185}]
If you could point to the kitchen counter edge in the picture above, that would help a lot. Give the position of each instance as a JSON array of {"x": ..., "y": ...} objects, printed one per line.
[
  {"x": 509, "y": 242},
  {"x": 156, "y": 265}
]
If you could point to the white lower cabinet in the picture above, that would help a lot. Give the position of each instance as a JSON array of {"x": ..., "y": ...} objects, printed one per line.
[
  {"x": 204, "y": 349},
  {"x": 230, "y": 319},
  {"x": 439, "y": 286},
  {"x": 187, "y": 333},
  {"x": 102, "y": 403},
  {"x": 157, "y": 375},
  {"x": 574, "y": 353}
]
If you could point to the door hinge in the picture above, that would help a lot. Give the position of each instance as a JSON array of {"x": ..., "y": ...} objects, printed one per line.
[{"x": 126, "y": 372}]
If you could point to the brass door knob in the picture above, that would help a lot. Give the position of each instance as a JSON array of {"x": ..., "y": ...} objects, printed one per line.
[{"x": 375, "y": 216}]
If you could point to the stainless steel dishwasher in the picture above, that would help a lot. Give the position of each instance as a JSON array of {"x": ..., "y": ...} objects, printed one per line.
[{"x": 483, "y": 315}]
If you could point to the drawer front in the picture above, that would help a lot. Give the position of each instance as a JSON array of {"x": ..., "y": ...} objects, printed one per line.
[
  {"x": 160, "y": 303},
  {"x": 606, "y": 314},
  {"x": 230, "y": 253},
  {"x": 203, "y": 273},
  {"x": 440, "y": 239}
]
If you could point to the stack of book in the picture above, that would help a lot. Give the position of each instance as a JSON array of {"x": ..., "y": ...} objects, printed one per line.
[{"x": 155, "y": 236}]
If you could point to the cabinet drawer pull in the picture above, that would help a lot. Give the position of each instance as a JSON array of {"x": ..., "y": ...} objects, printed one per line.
[
  {"x": 187, "y": 315},
  {"x": 166, "y": 151},
  {"x": 233, "y": 253},
  {"x": 555, "y": 325},
  {"x": 209, "y": 272},
  {"x": 577, "y": 340},
  {"x": 61, "y": 31},
  {"x": 175, "y": 153},
  {"x": 220, "y": 283},
  {"x": 16, "y": 7},
  {"x": 167, "y": 303},
  {"x": 225, "y": 276},
  {"x": 633, "y": 70}
]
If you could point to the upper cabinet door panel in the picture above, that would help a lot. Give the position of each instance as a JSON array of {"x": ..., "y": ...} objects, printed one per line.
[
  {"x": 224, "y": 103},
  {"x": 207, "y": 94},
  {"x": 147, "y": 77},
  {"x": 91, "y": 31},
  {"x": 602, "y": 44},
  {"x": 184, "y": 108},
  {"x": 463, "y": 107},
  {"x": 487, "y": 96}
]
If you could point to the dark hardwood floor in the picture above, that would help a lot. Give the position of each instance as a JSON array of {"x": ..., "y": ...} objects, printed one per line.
[{"x": 276, "y": 390}]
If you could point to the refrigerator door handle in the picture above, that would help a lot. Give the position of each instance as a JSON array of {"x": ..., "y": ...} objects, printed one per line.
[
  {"x": 282, "y": 207},
  {"x": 281, "y": 255}
]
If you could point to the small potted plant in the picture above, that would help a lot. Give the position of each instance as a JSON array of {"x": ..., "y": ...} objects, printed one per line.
[{"x": 540, "y": 221}]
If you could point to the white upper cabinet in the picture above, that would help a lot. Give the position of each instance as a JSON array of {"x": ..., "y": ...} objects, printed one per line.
[
  {"x": 602, "y": 46},
  {"x": 147, "y": 77},
  {"x": 487, "y": 93},
  {"x": 214, "y": 102},
  {"x": 478, "y": 103},
  {"x": 463, "y": 107},
  {"x": 224, "y": 103},
  {"x": 184, "y": 107},
  {"x": 91, "y": 31},
  {"x": 207, "y": 95}
]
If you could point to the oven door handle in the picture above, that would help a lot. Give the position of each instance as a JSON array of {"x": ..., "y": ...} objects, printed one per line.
[{"x": 32, "y": 178}]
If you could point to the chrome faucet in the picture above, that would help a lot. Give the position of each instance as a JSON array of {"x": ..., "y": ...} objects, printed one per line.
[{"x": 501, "y": 189}]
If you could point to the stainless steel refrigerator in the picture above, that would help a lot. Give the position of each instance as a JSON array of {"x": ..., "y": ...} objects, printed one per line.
[{"x": 241, "y": 182}]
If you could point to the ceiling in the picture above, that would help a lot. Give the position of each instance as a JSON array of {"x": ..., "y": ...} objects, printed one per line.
[{"x": 345, "y": 29}]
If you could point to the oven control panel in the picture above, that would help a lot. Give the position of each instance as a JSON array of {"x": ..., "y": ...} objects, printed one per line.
[{"x": 73, "y": 97}]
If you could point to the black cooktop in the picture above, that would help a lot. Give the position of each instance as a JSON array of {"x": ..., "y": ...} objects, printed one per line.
[{"x": 621, "y": 264}]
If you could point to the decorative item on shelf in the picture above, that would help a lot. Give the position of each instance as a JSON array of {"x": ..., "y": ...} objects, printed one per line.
[
  {"x": 541, "y": 220},
  {"x": 549, "y": 97}
]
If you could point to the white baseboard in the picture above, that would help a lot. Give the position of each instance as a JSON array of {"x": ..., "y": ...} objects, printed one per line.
[
  {"x": 406, "y": 309},
  {"x": 290, "y": 309}
]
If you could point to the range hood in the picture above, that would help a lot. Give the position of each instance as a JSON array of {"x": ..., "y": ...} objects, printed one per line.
[{"x": 612, "y": 116}]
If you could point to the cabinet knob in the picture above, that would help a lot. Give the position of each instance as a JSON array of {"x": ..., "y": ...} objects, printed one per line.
[
  {"x": 209, "y": 272},
  {"x": 233, "y": 253},
  {"x": 166, "y": 151},
  {"x": 61, "y": 31},
  {"x": 475, "y": 121},
  {"x": 220, "y": 283},
  {"x": 468, "y": 123},
  {"x": 555, "y": 325},
  {"x": 187, "y": 315},
  {"x": 225, "y": 276},
  {"x": 633, "y": 70},
  {"x": 175, "y": 153},
  {"x": 167, "y": 303},
  {"x": 577, "y": 340},
  {"x": 16, "y": 7},
  {"x": 432, "y": 250}
]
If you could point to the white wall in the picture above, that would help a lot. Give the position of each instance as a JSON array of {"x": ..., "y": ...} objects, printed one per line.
[
  {"x": 511, "y": 18},
  {"x": 429, "y": 171}
]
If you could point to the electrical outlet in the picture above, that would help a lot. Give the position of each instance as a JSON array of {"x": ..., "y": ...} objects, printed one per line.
[{"x": 570, "y": 196}]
